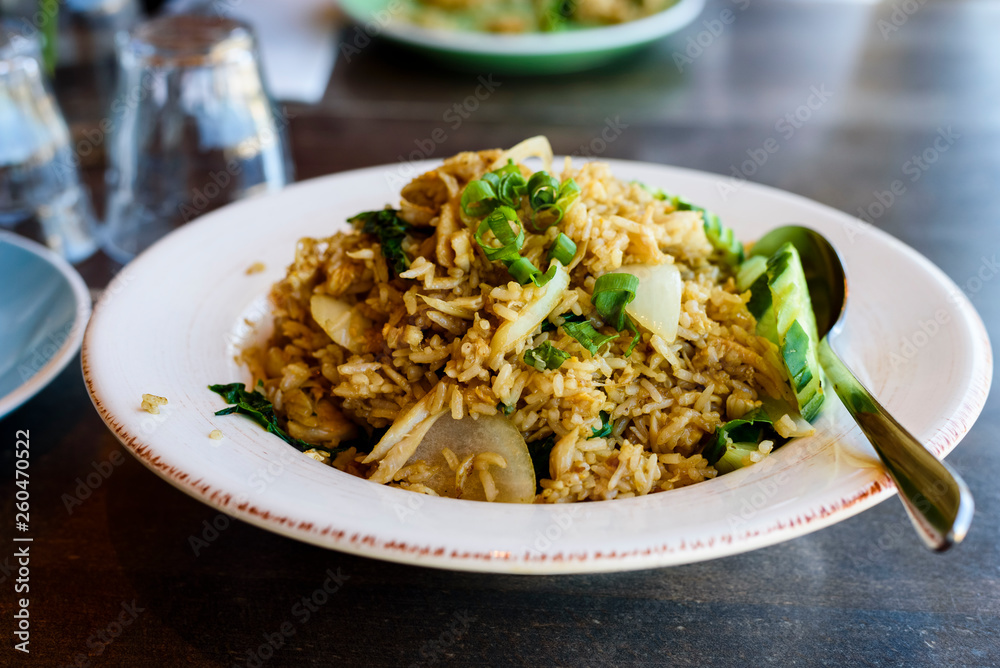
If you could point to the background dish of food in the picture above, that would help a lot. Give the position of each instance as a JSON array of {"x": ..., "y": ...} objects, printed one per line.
[
  {"x": 524, "y": 53},
  {"x": 205, "y": 313},
  {"x": 44, "y": 306}
]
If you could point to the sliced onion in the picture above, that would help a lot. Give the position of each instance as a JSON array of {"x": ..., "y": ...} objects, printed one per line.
[
  {"x": 468, "y": 437},
  {"x": 509, "y": 334},
  {"x": 657, "y": 303},
  {"x": 341, "y": 322},
  {"x": 534, "y": 147}
]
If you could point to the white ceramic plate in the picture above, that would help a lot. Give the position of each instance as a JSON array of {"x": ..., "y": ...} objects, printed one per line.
[
  {"x": 524, "y": 53},
  {"x": 44, "y": 306},
  {"x": 171, "y": 322}
]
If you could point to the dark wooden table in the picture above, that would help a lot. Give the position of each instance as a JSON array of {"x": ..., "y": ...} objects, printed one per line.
[{"x": 114, "y": 577}]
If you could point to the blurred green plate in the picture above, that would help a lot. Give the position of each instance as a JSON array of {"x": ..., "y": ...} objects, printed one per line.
[{"x": 528, "y": 53}]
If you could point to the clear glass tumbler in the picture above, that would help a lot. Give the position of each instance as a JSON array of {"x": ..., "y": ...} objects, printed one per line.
[
  {"x": 40, "y": 191},
  {"x": 193, "y": 128}
]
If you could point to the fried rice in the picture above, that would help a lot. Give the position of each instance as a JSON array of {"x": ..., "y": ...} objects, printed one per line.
[{"x": 426, "y": 335}]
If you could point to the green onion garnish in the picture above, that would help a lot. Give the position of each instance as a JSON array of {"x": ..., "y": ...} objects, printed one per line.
[
  {"x": 568, "y": 192},
  {"x": 522, "y": 270},
  {"x": 563, "y": 249},
  {"x": 612, "y": 293},
  {"x": 580, "y": 329},
  {"x": 549, "y": 214},
  {"x": 478, "y": 199},
  {"x": 545, "y": 357},
  {"x": 512, "y": 187},
  {"x": 543, "y": 190},
  {"x": 509, "y": 169},
  {"x": 499, "y": 222}
]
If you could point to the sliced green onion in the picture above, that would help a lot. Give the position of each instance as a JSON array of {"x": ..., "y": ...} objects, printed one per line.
[
  {"x": 492, "y": 179},
  {"x": 612, "y": 293},
  {"x": 543, "y": 190},
  {"x": 522, "y": 270},
  {"x": 568, "y": 192},
  {"x": 549, "y": 213},
  {"x": 563, "y": 249},
  {"x": 580, "y": 329},
  {"x": 545, "y": 217},
  {"x": 545, "y": 357},
  {"x": 512, "y": 187},
  {"x": 499, "y": 222},
  {"x": 508, "y": 169},
  {"x": 478, "y": 199}
]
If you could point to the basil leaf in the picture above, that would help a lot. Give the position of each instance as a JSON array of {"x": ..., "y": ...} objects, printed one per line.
[
  {"x": 390, "y": 230},
  {"x": 255, "y": 406}
]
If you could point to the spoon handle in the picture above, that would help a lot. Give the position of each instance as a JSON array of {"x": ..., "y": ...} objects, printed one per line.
[{"x": 935, "y": 497}]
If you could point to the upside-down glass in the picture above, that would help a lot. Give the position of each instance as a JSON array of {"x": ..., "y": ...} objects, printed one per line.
[
  {"x": 40, "y": 192},
  {"x": 193, "y": 128}
]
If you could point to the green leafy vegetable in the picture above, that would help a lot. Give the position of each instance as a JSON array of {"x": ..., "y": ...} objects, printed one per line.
[
  {"x": 607, "y": 426},
  {"x": 390, "y": 230},
  {"x": 580, "y": 329},
  {"x": 545, "y": 357},
  {"x": 256, "y": 406},
  {"x": 563, "y": 249},
  {"x": 506, "y": 409},
  {"x": 612, "y": 293},
  {"x": 540, "y": 452}
]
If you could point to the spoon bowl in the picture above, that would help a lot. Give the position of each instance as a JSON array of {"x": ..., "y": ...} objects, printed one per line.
[{"x": 935, "y": 496}]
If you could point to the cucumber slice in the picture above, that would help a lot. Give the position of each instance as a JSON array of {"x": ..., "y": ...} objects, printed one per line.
[
  {"x": 795, "y": 328},
  {"x": 752, "y": 276},
  {"x": 722, "y": 238},
  {"x": 750, "y": 271}
]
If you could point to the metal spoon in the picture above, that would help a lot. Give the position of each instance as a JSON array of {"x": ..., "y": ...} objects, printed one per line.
[{"x": 935, "y": 497}]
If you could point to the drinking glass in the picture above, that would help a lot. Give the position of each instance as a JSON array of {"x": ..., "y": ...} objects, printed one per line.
[
  {"x": 40, "y": 191},
  {"x": 193, "y": 128}
]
